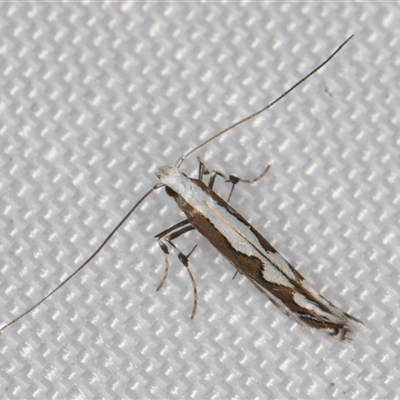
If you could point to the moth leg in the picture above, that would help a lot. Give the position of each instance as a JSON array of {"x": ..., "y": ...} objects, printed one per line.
[
  {"x": 204, "y": 171},
  {"x": 168, "y": 236},
  {"x": 234, "y": 275},
  {"x": 164, "y": 233},
  {"x": 184, "y": 259},
  {"x": 235, "y": 180}
]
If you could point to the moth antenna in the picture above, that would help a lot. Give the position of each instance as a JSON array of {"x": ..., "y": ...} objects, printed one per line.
[
  {"x": 186, "y": 155},
  {"x": 155, "y": 187},
  {"x": 86, "y": 262}
]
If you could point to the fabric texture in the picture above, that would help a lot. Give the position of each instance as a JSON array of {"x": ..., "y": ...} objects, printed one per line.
[{"x": 95, "y": 96}]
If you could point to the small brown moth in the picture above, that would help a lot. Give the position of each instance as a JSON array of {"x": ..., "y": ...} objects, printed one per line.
[{"x": 238, "y": 241}]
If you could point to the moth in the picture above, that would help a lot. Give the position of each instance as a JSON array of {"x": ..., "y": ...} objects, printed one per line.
[{"x": 236, "y": 239}]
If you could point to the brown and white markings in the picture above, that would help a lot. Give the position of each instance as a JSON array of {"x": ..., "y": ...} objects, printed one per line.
[
  {"x": 239, "y": 242},
  {"x": 248, "y": 251}
]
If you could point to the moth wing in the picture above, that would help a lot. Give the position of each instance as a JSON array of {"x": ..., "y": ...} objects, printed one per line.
[{"x": 277, "y": 302}]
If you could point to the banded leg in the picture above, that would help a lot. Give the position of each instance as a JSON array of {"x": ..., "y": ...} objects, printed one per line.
[
  {"x": 234, "y": 180},
  {"x": 161, "y": 235},
  {"x": 204, "y": 171},
  {"x": 169, "y": 235}
]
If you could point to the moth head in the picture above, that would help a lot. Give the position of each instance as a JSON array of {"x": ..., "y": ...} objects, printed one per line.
[{"x": 172, "y": 178}]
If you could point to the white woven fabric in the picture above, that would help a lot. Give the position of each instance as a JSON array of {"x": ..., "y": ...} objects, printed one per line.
[{"x": 95, "y": 96}]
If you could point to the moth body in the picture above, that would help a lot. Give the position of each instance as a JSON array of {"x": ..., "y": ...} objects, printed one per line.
[
  {"x": 238, "y": 241},
  {"x": 252, "y": 255}
]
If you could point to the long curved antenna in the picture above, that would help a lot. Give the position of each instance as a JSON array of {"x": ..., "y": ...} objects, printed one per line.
[
  {"x": 86, "y": 262},
  {"x": 155, "y": 187},
  {"x": 186, "y": 155}
]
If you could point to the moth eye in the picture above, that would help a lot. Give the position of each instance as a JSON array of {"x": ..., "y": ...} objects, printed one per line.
[{"x": 169, "y": 191}]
